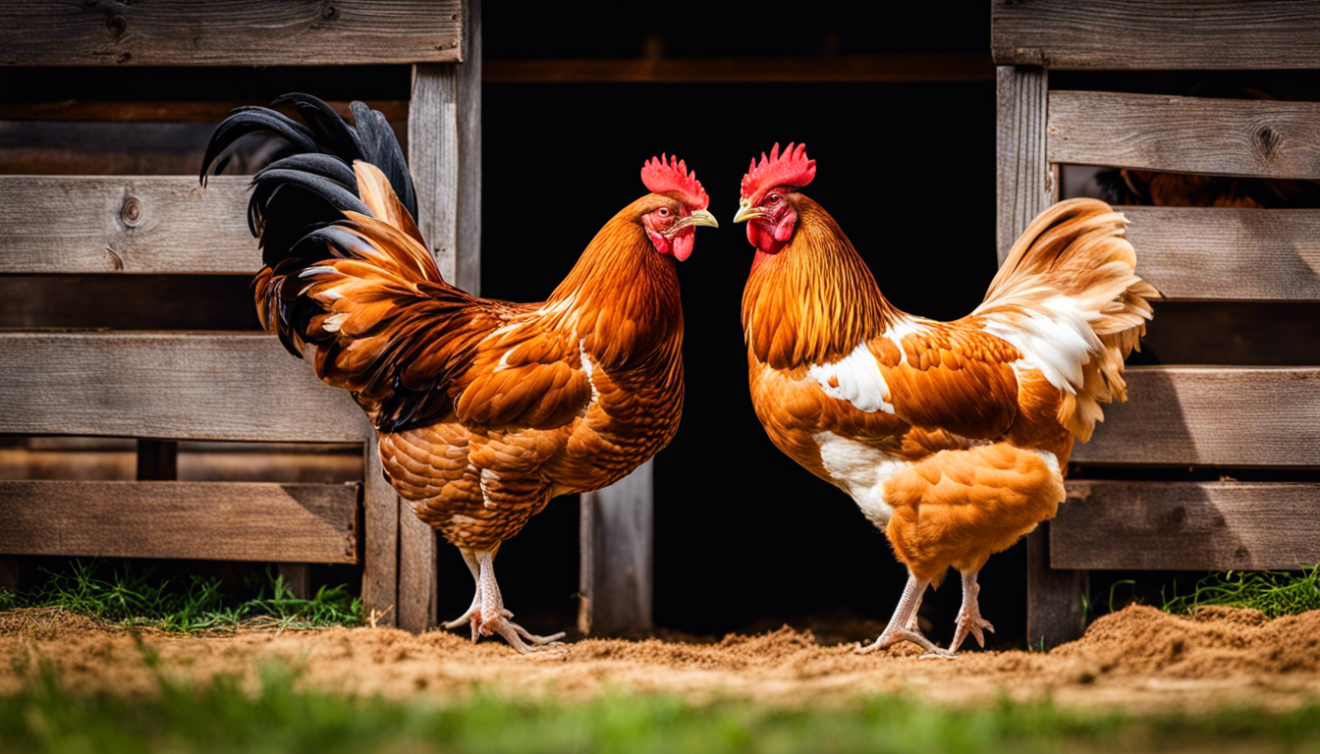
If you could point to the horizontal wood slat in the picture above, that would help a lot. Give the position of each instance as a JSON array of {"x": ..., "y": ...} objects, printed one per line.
[
  {"x": 1156, "y": 34},
  {"x": 1232, "y": 416},
  {"x": 186, "y": 386},
  {"x": 1262, "y": 138},
  {"x": 291, "y": 523},
  {"x": 229, "y": 32},
  {"x": 1186, "y": 526},
  {"x": 1228, "y": 254},
  {"x": 200, "y": 111},
  {"x": 56, "y": 224}
]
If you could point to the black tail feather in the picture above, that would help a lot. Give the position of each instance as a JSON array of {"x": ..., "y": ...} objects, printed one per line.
[{"x": 311, "y": 189}]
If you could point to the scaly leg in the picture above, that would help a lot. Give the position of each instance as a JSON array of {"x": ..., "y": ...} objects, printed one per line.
[
  {"x": 969, "y": 617},
  {"x": 494, "y": 618},
  {"x": 898, "y": 628},
  {"x": 468, "y": 617}
]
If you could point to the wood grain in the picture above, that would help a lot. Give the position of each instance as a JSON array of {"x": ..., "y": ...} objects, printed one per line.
[
  {"x": 617, "y": 547},
  {"x": 1025, "y": 184},
  {"x": 125, "y": 224},
  {"x": 1156, "y": 34},
  {"x": 380, "y": 575},
  {"x": 228, "y": 32},
  {"x": 1228, "y": 254},
  {"x": 418, "y": 550},
  {"x": 1187, "y": 526},
  {"x": 198, "y": 111},
  {"x": 169, "y": 386},
  {"x": 433, "y": 160},
  {"x": 1231, "y": 417},
  {"x": 1264, "y": 138},
  {"x": 295, "y": 523}
]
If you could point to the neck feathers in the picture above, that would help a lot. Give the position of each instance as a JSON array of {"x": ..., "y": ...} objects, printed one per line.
[
  {"x": 622, "y": 296},
  {"x": 815, "y": 300}
]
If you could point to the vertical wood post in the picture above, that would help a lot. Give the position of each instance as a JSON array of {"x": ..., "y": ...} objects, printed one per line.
[
  {"x": 617, "y": 556},
  {"x": 380, "y": 574},
  {"x": 444, "y": 157},
  {"x": 1026, "y": 186}
]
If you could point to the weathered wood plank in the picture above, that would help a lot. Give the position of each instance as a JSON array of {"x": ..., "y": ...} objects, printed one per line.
[
  {"x": 1230, "y": 416},
  {"x": 467, "y": 264},
  {"x": 311, "y": 523},
  {"x": 616, "y": 556},
  {"x": 1026, "y": 186},
  {"x": 1228, "y": 254},
  {"x": 169, "y": 386},
  {"x": 433, "y": 160},
  {"x": 852, "y": 68},
  {"x": 1264, "y": 138},
  {"x": 1055, "y": 597},
  {"x": 200, "y": 111},
  {"x": 1157, "y": 34},
  {"x": 1025, "y": 182},
  {"x": 229, "y": 32},
  {"x": 380, "y": 575},
  {"x": 418, "y": 579},
  {"x": 1187, "y": 526},
  {"x": 125, "y": 224}
]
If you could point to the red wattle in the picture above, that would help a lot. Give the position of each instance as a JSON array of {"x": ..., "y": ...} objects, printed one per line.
[{"x": 683, "y": 243}]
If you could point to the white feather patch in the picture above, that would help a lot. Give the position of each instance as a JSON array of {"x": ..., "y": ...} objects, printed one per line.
[
  {"x": 861, "y": 471},
  {"x": 855, "y": 378},
  {"x": 1058, "y": 341}
]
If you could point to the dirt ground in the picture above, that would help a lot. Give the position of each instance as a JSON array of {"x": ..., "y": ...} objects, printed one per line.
[{"x": 1139, "y": 659}]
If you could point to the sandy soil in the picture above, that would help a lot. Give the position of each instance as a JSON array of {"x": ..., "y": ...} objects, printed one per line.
[{"x": 1139, "y": 659}]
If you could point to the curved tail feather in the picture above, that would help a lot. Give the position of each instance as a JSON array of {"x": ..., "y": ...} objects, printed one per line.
[{"x": 1068, "y": 297}]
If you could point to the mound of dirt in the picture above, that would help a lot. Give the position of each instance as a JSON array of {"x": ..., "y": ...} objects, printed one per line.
[{"x": 1139, "y": 659}]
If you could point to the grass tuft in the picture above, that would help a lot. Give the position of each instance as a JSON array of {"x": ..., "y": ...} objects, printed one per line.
[
  {"x": 137, "y": 596},
  {"x": 1274, "y": 593}
]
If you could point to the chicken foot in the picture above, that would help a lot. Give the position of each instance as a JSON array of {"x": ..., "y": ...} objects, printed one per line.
[
  {"x": 903, "y": 625},
  {"x": 969, "y": 617},
  {"x": 488, "y": 616}
]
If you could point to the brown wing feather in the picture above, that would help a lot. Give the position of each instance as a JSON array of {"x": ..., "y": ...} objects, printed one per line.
[{"x": 951, "y": 378}]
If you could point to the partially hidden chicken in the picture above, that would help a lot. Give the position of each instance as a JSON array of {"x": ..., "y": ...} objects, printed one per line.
[
  {"x": 952, "y": 437},
  {"x": 484, "y": 409}
]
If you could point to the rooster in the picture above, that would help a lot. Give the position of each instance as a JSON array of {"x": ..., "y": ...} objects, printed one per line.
[
  {"x": 483, "y": 409},
  {"x": 951, "y": 437}
]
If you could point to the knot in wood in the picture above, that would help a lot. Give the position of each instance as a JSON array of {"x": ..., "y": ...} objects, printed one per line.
[
  {"x": 1267, "y": 140},
  {"x": 131, "y": 212},
  {"x": 117, "y": 26},
  {"x": 329, "y": 13}
]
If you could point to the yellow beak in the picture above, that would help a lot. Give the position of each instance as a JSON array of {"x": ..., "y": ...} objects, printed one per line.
[
  {"x": 701, "y": 217},
  {"x": 746, "y": 211}
]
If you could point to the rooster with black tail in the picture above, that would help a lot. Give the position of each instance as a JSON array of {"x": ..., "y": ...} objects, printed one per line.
[{"x": 484, "y": 409}]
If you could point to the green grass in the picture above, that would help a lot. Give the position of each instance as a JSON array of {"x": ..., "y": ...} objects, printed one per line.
[
  {"x": 1274, "y": 593},
  {"x": 276, "y": 717},
  {"x": 137, "y": 596}
]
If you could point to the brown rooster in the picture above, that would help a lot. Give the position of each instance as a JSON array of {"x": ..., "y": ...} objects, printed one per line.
[
  {"x": 484, "y": 409},
  {"x": 951, "y": 437}
]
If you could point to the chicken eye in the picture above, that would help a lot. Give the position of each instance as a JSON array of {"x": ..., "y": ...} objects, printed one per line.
[
  {"x": 773, "y": 199},
  {"x": 663, "y": 212}
]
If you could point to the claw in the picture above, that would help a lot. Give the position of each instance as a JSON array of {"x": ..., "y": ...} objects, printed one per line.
[
  {"x": 969, "y": 617},
  {"x": 892, "y": 636}
]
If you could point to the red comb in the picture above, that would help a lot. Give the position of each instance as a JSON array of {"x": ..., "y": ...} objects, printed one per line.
[
  {"x": 792, "y": 168},
  {"x": 663, "y": 173}
]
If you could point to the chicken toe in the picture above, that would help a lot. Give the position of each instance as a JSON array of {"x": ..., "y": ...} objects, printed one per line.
[{"x": 969, "y": 617}]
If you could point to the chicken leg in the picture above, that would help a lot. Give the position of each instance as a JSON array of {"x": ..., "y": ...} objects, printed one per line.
[
  {"x": 489, "y": 616},
  {"x": 902, "y": 626},
  {"x": 470, "y": 558},
  {"x": 969, "y": 617}
]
